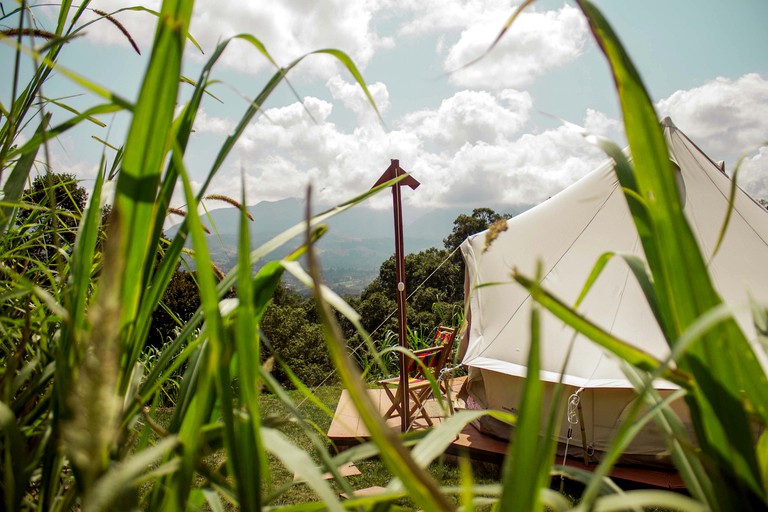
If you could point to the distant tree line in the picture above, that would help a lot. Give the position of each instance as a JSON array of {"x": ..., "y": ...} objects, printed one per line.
[
  {"x": 435, "y": 279},
  {"x": 46, "y": 229}
]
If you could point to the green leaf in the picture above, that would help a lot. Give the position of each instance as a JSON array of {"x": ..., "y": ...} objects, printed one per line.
[
  {"x": 14, "y": 186},
  {"x": 147, "y": 144},
  {"x": 122, "y": 477},
  {"x": 422, "y": 488},
  {"x": 525, "y": 470},
  {"x": 649, "y": 499},
  {"x": 249, "y": 454},
  {"x": 82, "y": 257},
  {"x": 301, "y": 464},
  {"x": 729, "y": 379},
  {"x": 439, "y": 439},
  {"x": 14, "y": 480},
  {"x": 210, "y": 363}
]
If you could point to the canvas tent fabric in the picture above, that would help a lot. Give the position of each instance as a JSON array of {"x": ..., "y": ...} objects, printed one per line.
[{"x": 566, "y": 235}]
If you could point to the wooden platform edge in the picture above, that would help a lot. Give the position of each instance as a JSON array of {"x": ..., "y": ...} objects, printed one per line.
[{"x": 346, "y": 430}]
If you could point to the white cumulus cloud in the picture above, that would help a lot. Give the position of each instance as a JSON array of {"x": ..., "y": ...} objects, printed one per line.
[
  {"x": 286, "y": 149},
  {"x": 426, "y": 16},
  {"x": 535, "y": 43},
  {"x": 287, "y": 29},
  {"x": 469, "y": 117},
  {"x": 725, "y": 117},
  {"x": 753, "y": 174},
  {"x": 353, "y": 97}
]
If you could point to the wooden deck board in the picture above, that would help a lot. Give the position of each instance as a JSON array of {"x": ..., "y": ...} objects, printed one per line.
[{"x": 348, "y": 430}]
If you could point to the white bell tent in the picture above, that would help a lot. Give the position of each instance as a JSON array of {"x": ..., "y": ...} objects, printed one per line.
[{"x": 567, "y": 234}]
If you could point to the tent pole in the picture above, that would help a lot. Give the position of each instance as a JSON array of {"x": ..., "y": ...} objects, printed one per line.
[
  {"x": 402, "y": 333},
  {"x": 392, "y": 172}
]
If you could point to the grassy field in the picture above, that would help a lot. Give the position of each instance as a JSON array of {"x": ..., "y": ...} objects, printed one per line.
[
  {"x": 372, "y": 471},
  {"x": 75, "y": 313}
]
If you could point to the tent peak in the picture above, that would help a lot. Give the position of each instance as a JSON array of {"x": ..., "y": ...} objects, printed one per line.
[{"x": 667, "y": 122}]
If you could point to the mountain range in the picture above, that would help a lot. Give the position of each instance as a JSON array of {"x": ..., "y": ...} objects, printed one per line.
[{"x": 351, "y": 252}]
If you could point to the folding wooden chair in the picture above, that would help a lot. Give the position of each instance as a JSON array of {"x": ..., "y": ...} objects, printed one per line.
[{"x": 433, "y": 360}]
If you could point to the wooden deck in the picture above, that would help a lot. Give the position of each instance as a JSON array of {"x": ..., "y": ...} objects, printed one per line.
[{"x": 348, "y": 430}]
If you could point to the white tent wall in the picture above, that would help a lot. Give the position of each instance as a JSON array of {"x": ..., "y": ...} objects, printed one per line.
[
  {"x": 566, "y": 235},
  {"x": 603, "y": 411}
]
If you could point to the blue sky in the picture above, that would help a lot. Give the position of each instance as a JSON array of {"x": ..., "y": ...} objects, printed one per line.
[{"x": 486, "y": 135}]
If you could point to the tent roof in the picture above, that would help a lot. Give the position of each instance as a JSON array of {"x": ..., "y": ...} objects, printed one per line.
[{"x": 568, "y": 233}]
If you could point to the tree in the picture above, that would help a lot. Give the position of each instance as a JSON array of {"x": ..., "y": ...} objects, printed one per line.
[
  {"x": 292, "y": 334},
  {"x": 181, "y": 298},
  {"x": 435, "y": 287},
  {"x": 426, "y": 268},
  {"x": 435, "y": 284},
  {"x": 51, "y": 211},
  {"x": 466, "y": 225}
]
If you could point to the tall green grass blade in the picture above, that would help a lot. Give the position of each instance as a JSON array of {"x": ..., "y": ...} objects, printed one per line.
[
  {"x": 73, "y": 110},
  {"x": 256, "y": 256},
  {"x": 645, "y": 499},
  {"x": 23, "y": 283},
  {"x": 14, "y": 481},
  {"x": 320, "y": 444},
  {"x": 638, "y": 207},
  {"x": 420, "y": 485},
  {"x": 554, "y": 501},
  {"x": 526, "y": 467},
  {"x": 299, "y": 462},
  {"x": 438, "y": 440},
  {"x": 146, "y": 147},
  {"x": 638, "y": 268},
  {"x": 82, "y": 258},
  {"x": 350, "y": 65},
  {"x": 760, "y": 320},
  {"x": 184, "y": 128},
  {"x": 467, "y": 494},
  {"x": 48, "y": 63},
  {"x": 729, "y": 379},
  {"x": 622, "y": 349},
  {"x": 158, "y": 14},
  {"x": 249, "y": 457},
  {"x": 213, "y": 500},
  {"x": 14, "y": 186},
  {"x": 731, "y": 202},
  {"x": 518, "y": 10},
  {"x": 121, "y": 479},
  {"x": 210, "y": 380},
  {"x": 626, "y": 432}
]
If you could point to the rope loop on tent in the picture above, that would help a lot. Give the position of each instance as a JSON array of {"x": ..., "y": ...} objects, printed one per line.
[
  {"x": 573, "y": 410},
  {"x": 572, "y": 415}
]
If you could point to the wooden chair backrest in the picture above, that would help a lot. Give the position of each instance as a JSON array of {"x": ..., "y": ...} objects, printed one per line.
[
  {"x": 445, "y": 337},
  {"x": 436, "y": 357}
]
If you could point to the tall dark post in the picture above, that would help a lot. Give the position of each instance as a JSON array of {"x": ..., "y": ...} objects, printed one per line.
[{"x": 392, "y": 172}]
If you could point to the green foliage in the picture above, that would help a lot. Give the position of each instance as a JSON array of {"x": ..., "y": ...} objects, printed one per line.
[
  {"x": 728, "y": 390},
  {"x": 55, "y": 205},
  {"x": 725, "y": 387},
  {"x": 435, "y": 288},
  {"x": 180, "y": 301},
  {"x": 466, "y": 225},
  {"x": 78, "y": 388},
  {"x": 296, "y": 340}
]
